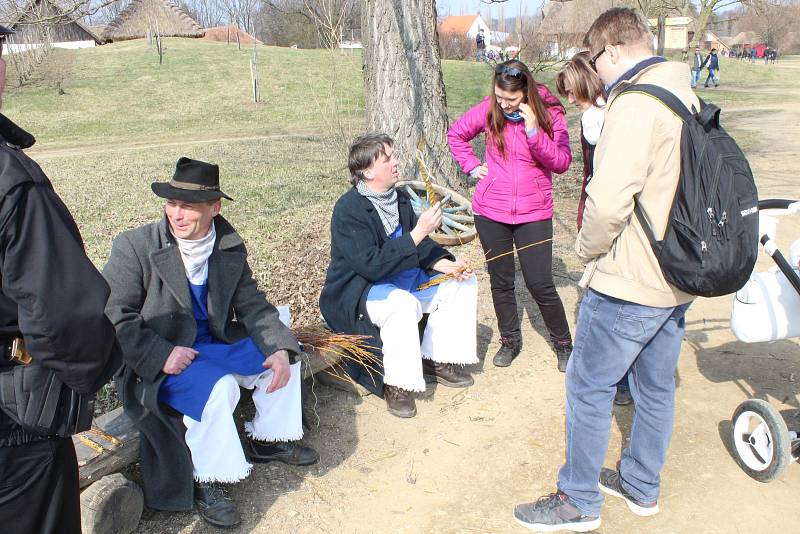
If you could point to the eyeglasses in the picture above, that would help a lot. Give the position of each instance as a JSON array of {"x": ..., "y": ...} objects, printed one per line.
[
  {"x": 593, "y": 61},
  {"x": 508, "y": 71}
]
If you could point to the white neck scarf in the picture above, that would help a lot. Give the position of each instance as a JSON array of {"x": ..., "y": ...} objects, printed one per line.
[{"x": 195, "y": 253}]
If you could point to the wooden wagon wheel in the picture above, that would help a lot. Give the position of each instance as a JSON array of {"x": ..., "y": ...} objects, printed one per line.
[{"x": 458, "y": 225}]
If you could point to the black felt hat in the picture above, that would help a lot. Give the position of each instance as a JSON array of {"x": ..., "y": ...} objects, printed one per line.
[{"x": 194, "y": 181}]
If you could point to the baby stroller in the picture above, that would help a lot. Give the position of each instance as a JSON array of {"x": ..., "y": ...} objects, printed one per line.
[{"x": 767, "y": 308}]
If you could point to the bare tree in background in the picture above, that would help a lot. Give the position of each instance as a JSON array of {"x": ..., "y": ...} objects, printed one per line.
[
  {"x": 404, "y": 87},
  {"x": 242, "y": 13},
  {"x": 772, "y": 20},
  {"x": 207, "y": 13},
  {"x": 330, "y": 17}
]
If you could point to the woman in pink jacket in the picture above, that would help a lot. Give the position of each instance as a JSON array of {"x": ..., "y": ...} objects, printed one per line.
[{"x": 526, "y": 140}]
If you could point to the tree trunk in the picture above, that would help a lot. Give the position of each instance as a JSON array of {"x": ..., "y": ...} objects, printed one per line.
[
  {"x": 706, "y": 8},
  {"x": 405, "y": 95}
]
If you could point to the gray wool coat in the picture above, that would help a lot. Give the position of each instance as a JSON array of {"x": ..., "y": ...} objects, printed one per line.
[{"x": 151, "y": 308}]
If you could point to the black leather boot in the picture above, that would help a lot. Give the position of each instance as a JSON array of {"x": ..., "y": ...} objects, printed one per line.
[
  {"x": 510, "y": 347},
  {"x": 281, "y": 451},
  {"x": 563, "y": 351},
  {"x": 214, "y": 505}
]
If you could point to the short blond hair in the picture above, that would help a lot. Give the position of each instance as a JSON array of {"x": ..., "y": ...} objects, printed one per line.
[{"x": 619, "y": 26}]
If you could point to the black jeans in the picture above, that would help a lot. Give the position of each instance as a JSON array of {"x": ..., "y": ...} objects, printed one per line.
[
  {"x": 537, "y": 270},
  {"x": 39, "y": 488}
]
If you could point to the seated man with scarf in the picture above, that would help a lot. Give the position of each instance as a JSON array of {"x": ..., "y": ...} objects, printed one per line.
[
  {"x": 194, "y": 327},
  {"x": 380, "y": 256}
]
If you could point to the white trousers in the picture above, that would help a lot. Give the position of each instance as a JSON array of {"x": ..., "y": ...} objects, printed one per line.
[
  {"x": 217, "y": 453},
  {"x": 450, "y": 335}
]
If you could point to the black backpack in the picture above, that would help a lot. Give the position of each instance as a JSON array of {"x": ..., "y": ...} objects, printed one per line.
[{"x": 711, "y": 242}]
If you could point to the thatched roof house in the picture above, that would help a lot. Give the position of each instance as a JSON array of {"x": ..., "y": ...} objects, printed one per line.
[
  {"x": 43, "y": 20},
  {"x": 565, "y": 22},
  {"x": 162, "y": 16},
  {"x": 746, "y": 39},
  {"x": 228, "y": 34}
]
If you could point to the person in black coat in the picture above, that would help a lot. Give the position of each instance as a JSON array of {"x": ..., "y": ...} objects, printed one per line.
[
  {"x": 51, "y": 298},
  {"x": 380, "y": 255}
]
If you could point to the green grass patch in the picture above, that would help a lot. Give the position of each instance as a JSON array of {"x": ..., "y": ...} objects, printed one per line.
[{"x": 124, "y": 120}]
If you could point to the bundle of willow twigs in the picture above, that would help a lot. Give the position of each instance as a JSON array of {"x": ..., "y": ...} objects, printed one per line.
[{"x": 335, "y": 349}]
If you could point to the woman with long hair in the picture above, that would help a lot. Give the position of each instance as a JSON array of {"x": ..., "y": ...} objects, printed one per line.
[{"x": 526, "y": 141}]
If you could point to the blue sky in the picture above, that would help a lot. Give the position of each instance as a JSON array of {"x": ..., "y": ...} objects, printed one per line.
[{"x": 510, "y": 7}]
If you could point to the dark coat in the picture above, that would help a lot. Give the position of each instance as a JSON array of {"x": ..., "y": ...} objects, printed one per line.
[
  {"x": 51, "y": 294},
  {"x": 361, "y": 254},
  {"x": 151, "y": 307}
]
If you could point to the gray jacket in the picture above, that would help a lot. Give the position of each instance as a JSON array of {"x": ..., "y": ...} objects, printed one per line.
[
  {"x": 151, "y": 308},
  {"x": 697, "y": 61}
]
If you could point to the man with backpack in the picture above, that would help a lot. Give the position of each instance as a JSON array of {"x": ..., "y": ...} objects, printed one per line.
[{"x": 630, "y": 317}]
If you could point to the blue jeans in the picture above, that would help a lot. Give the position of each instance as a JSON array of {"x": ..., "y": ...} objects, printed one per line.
[
  {"x": 611, "y": 337},
  {"x": 695, "y": 77},
  {"x": 712, "y": 75}
]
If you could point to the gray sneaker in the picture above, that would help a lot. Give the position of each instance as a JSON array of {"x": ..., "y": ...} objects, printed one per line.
[
  {"x": 552, "y": 513},
  {"x": 611, "y": 483}
]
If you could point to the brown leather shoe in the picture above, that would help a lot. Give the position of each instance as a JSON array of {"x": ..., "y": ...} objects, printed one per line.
[
  {"x": 399, "y": 402},
  {"x": 451, "y": 375}
]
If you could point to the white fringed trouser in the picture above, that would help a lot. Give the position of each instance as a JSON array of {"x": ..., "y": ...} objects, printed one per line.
[
  {"x": 217, "y": 453},
  {"x": 450, "y": 335}
]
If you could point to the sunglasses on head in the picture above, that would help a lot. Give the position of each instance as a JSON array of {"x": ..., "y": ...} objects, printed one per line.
[{"x": 508, "y": 71}]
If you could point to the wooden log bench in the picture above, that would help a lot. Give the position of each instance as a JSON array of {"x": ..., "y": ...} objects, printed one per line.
[{"x": 111, "y": 504}]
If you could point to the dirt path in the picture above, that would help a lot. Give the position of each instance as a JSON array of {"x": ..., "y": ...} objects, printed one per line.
[{"x": 470, "y": 455}]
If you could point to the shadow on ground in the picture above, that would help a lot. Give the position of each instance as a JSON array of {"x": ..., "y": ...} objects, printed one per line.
[{"x": 330, "y": 415}]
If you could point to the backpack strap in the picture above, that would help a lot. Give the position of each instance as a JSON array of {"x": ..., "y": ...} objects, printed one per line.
[
  {"x": 674, "y": 104},
  {"x": 665, "y": 97}
]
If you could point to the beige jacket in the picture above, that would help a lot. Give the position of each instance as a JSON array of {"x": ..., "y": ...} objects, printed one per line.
[{"x": 638, "y": 156}]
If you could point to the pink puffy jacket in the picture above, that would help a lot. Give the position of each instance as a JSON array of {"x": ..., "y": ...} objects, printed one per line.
[{"x": 519, "y": 187}]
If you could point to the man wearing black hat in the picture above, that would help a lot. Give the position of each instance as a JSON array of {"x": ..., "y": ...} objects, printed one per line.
[
  {"x": 56, "y": 345},
  {"x": 194, "y": 327}
]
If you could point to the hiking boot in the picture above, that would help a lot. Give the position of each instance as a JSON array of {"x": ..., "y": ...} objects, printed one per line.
[
  {"x": 611, "y": 483},
  {"x": 623, "y": 397},
  {"x": 563, "y": 351},
  {"x": 281, "y": 451},
  {"x": 451, "y": 375},
  {"x": 214, "y": 506},
  {"x": 510, "y": 347},
  {"x": 552, "y": 513},
  {"x": 399, "y": 402}
]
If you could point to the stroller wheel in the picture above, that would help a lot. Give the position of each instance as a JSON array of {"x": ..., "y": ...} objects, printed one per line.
[{"x": 761, "y": 440}]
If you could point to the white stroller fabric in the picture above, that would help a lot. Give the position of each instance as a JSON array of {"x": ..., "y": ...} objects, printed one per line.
[{"x": 767, "y": 308}]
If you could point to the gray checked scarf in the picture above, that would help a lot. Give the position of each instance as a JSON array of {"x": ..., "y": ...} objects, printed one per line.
[{"x": 385, "y": 204}]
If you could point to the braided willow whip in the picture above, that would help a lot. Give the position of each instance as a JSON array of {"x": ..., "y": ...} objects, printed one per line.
[{"x": 439, "y": 279}]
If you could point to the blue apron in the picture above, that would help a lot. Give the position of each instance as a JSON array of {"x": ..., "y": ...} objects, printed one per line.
[
  {"x": 407, "y": 280},
  {"x": 188, "y": 391}
]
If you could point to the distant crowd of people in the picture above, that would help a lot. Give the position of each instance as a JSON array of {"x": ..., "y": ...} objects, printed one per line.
[
  {"x": 490, "y": 55},
  {"x": 770, "y": 55}
]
